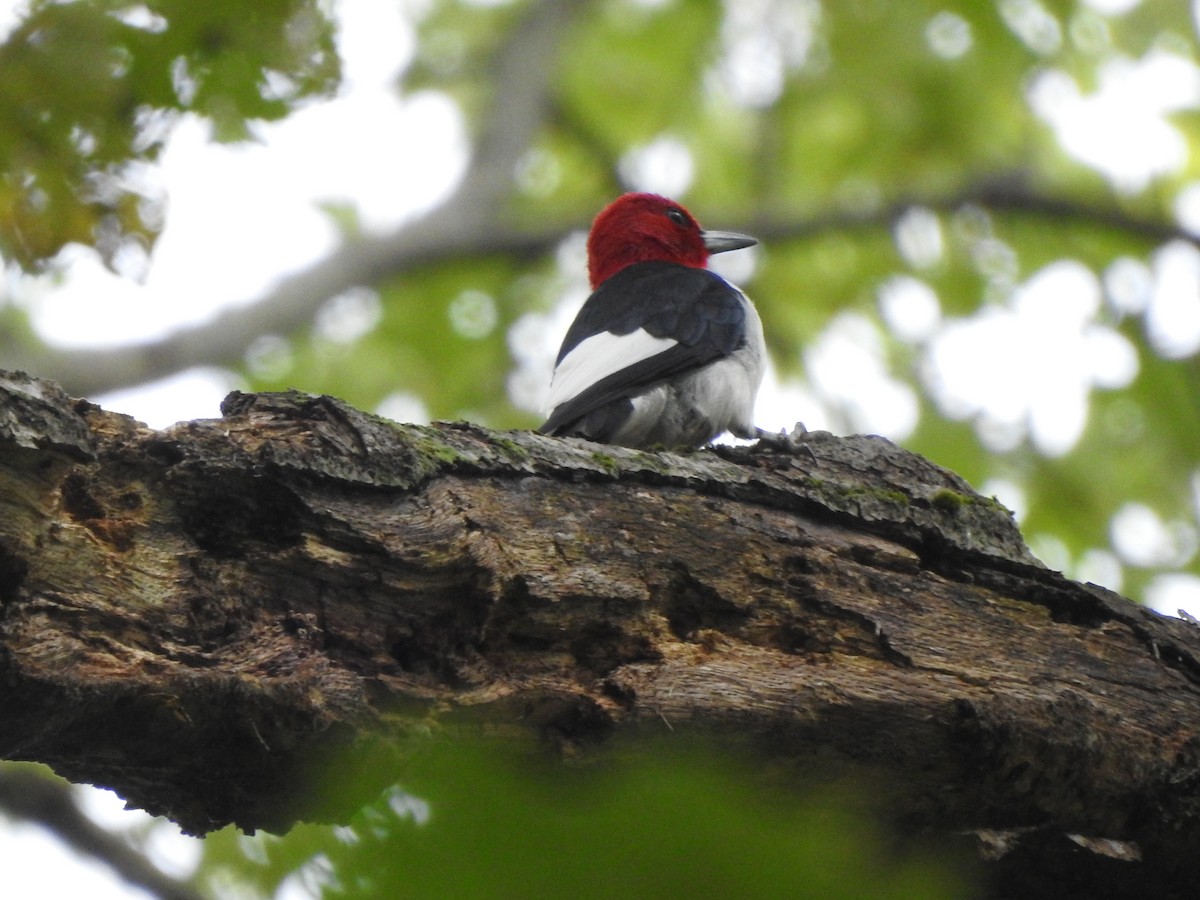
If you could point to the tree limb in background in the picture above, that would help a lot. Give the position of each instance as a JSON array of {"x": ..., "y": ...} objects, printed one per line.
[
  {"x": 198, "y": 617},
  {"x": 48, "y": 802},
  {"x": 467, "y": 224},
  {"x": 473, "y": 224}
]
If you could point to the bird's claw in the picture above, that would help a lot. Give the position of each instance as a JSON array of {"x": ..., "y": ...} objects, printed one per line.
[{"x": 784, "y": 441}]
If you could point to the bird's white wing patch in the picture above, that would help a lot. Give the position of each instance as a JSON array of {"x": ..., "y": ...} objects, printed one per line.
[{"x": 598, "y": 357}]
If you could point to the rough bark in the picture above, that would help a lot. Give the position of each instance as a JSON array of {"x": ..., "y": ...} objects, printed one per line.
[{"x": 195, "y": 616}]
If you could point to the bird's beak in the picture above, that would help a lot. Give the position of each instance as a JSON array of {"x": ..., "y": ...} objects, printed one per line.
[{"x": 720, "y": 241}]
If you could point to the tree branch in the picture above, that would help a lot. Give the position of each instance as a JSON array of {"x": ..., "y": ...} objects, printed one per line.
[
  {"x": 44, "y": 801},
  {"x": 198, "y": 616},
  {"x": 472, "y": 224},
  {"x": 1011, "y": 192}
]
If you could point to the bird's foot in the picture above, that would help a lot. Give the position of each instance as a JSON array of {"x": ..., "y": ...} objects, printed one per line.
[{"x": 792, "y": 442}]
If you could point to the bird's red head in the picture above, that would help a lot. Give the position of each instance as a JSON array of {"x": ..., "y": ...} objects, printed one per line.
[{"x": 638, "y": 228}]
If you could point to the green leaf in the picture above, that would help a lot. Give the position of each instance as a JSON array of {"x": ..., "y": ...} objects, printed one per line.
[{"x": 88, "y": 91}]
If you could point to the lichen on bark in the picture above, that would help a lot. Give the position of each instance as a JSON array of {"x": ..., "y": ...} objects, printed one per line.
[{"x": 199, "y": 616}]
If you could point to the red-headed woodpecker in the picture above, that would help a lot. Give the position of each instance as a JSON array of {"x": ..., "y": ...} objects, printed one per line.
[{"x": 664, "y": 351}]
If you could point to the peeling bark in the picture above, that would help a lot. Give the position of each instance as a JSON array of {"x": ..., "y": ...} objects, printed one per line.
[{"x": 196, "y": 616}]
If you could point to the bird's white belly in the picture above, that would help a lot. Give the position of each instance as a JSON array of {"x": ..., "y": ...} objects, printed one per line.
[{"x": 694, "y": 409}]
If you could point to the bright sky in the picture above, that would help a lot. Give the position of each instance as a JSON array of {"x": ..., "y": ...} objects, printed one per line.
[{"x": 358, "y": 148}]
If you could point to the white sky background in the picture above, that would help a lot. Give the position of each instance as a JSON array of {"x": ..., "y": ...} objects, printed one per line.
[{"x": 358, "y": 148}]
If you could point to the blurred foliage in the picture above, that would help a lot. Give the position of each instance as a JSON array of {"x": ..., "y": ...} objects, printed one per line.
[
  {"x": 821, "y": 125},
  {"x": 88, "y": 93},
  {"x": 659, "y": 819}
]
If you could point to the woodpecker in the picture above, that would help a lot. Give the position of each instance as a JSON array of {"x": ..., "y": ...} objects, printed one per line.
[{"x": 663, "y": 352}]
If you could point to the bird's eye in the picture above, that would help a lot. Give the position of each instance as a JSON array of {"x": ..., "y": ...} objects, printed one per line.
[{"x": 677, "y": 216}]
